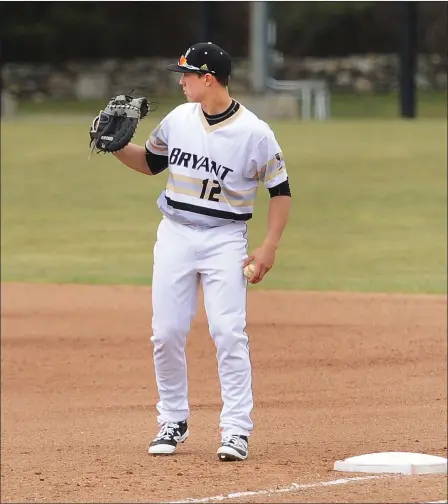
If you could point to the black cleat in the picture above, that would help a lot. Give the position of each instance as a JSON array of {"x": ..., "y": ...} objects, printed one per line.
[
  {"x": 233, "y": 448},
  {"x": 169, "y": 436}
]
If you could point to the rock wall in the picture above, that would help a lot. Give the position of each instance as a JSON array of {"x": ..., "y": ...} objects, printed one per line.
[{"x": 361, "y": 74}]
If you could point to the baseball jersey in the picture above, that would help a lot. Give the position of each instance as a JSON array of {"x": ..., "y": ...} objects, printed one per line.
[{"x": 215, "y": 171}]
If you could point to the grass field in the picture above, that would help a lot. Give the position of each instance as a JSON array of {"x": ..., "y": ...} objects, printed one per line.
[
  {"x": 369, "y": 206},
  {"x": 343, "y": 106}
]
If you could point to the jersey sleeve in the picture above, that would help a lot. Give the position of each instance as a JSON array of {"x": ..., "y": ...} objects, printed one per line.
[
  {"x": 157, "y": 142},
  {"x": 267, "y": 164}
]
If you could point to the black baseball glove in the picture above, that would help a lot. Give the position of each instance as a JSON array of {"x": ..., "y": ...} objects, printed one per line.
[{"x": 113, "y": 128}]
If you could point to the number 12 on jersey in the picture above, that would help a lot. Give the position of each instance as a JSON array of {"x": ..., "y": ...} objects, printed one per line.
[{"x": 210, "y": 190}]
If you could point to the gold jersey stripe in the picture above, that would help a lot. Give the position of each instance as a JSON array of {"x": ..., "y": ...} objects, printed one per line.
[
  {"x": 181, "y": 190},
  {"x": 222, "y": 199},
  {"x": 195, "y": 189},
  {"x": 157, "y": 141},
  {"x": 275, "y": 174},
  {"x": 269, "y": 171},
  {"x": 157, "y": 148},
  {"x": 231, "y": 195}
]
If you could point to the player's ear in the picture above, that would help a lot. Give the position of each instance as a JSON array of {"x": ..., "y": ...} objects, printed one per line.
[{"x": 208, "y": 79}]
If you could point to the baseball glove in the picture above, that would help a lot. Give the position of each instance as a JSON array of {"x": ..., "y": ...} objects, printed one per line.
[{"x": 113, "y": 128}]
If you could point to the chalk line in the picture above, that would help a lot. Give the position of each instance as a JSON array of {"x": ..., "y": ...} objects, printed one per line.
[{"x": 294, "y": 487}]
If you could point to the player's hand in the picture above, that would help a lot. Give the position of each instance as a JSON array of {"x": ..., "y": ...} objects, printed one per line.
[{"x": 263, "y": 259}]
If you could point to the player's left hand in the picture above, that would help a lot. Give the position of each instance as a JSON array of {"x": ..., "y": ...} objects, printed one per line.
[
  {"x": 263, "y": 259},
  {"x": 115, "y": 126}
]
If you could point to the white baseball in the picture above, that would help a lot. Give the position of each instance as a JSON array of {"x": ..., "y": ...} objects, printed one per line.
[{"x": 249, "y": 270}]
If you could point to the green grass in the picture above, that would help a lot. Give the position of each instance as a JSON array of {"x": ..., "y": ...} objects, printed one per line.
[
  {"x": 369, "y": 207},
  {"x": 349, "y": 105},
  {"x": 366, "y": 106}
]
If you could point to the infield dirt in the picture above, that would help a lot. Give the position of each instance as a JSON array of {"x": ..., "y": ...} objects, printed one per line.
[{"x": 335, "y": 375}]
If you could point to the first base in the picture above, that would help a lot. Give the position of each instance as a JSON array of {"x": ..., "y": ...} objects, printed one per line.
[{"x": 394, "y": 462}]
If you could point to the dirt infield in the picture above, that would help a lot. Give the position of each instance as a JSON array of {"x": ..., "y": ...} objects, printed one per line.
[{"x": 335, "y": 375}]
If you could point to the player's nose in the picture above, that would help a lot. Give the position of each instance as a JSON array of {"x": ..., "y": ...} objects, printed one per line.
[{"x": 181, "y": 80}]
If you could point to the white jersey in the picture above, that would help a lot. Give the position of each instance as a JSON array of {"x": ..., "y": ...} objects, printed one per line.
[{"x": 214, "y": 171}]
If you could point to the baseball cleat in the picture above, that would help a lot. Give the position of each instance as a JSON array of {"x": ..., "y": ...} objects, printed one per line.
[
  {"x": 169, "y": 436},
  {"x": 233, "y": 448}
]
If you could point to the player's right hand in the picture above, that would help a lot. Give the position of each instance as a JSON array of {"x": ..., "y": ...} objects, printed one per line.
[{"x": 263, "y": 259}]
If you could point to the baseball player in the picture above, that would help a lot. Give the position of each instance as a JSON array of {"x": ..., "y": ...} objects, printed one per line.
[{"x": 216, "y": 152}]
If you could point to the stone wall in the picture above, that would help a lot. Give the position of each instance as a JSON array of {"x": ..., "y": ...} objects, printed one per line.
[{"x": 361, "y": 74}]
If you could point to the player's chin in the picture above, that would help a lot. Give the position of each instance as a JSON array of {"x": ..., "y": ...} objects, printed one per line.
[{"x": 191, "y": 99}]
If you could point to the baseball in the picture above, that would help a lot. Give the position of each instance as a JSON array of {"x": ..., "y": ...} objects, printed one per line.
[{"x": 249, "y": 270}]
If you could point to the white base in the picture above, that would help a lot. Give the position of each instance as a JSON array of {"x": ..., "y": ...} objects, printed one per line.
[{"x": 394, "y": 462}]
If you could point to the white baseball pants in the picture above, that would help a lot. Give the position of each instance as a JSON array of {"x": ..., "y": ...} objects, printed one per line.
[{"x": 184, "y": 256}]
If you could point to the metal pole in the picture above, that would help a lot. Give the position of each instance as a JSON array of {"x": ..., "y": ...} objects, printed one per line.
[
  {"x": 204, "y": 21},
  {"x": 258, "y": 45},
  {"x": 407, "y": 57}
]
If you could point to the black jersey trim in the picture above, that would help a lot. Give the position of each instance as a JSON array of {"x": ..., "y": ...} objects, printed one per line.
[
  {"x": 282, "y": 189},
  {"x": 217, "y": 118},
  {"x": 156, "y": 162},
  {"x": 211, "y": 212}
]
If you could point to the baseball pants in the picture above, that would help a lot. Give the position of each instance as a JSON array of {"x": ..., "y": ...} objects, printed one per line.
[{"x": 184, "y": 256}]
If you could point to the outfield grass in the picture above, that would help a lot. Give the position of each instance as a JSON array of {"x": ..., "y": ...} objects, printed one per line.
[
  {"x": 369, "y": 207},
  {"x": 343, "y": 106}
]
